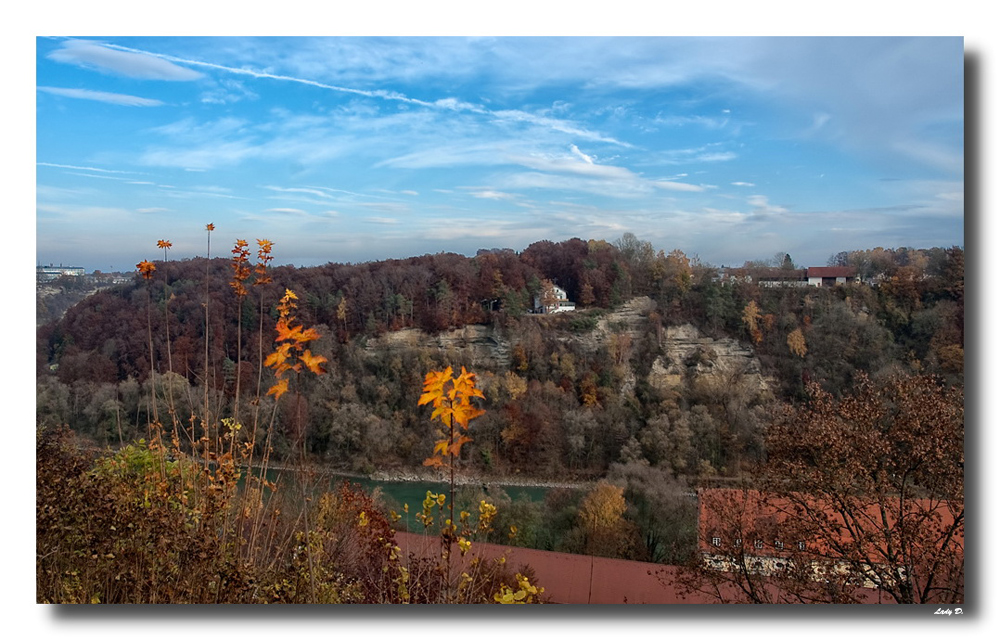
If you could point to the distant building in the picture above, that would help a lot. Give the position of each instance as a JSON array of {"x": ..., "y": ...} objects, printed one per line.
[
  {"x": 831, "y": 276},
  {"x": 777, "y": 277},
  {"x": 51, "y": 272},
  {"x": 772, "y": 277},
  {"x": 558, "y": 302}
]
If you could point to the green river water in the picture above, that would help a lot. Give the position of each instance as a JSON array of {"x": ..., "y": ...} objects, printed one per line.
[{"x": 395, "y": 494}]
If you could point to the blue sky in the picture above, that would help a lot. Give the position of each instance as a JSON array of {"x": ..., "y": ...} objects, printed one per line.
[{"x": 349, "y": 149}]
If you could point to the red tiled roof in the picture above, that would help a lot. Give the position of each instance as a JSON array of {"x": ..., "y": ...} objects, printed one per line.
[
  {"x": 832, "y": 272},
  {"x": 578, "y": 579},
  {"x": 726, "y": 513}
]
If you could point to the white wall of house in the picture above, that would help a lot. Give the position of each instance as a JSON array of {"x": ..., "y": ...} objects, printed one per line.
[
  {"x": 563, "y": 304},
  {"x": 815, "y": 281}
]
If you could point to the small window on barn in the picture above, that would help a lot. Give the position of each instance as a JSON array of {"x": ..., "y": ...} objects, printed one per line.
[
  {"x": 778, "y": 544},
  {"x": 716, "y": 541},
  {"x": 802, "y": 546},
  {"x": 758, "y": 544},
  {"x": 739, "y": 542}
]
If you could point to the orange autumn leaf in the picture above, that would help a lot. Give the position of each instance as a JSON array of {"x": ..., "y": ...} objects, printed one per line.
[
  {"x": 463, "y": 413},
  {"x": 443, "y": 413},
  {"x": 279, "y": 389},
  {"x": 306, "y": 335},
  {"x": 285, "y": 332},
  {"x": 465, "y": 385},
  {"x": 146, "y": 268},
  {"x": 434, "y": 386},
  {"x": 456, "y": 446},
  {"x": 313, "y": 363}
]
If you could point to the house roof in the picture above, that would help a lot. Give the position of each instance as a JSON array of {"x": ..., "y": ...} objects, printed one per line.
[
  {"x": 753, "y": 515},
  {"x": 832, "y": 272}
]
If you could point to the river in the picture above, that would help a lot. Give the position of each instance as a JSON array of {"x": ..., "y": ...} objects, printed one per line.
[{"x": 396, "y": 493}]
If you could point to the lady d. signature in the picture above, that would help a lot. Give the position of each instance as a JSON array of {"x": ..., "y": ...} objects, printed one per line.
[{"x": 948, "y": 612}]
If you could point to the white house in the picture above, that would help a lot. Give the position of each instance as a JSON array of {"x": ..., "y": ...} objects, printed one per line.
[{"x": 558, "y": 301}]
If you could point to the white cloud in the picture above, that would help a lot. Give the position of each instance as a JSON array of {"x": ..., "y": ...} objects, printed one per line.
[
  {"x": 676, "y": 186},
  {"x": 566, "y": 164},
  {"x": 296, "y": 190},
  {"x": 491, "y": 194},
  {"x": 761, "y": 205},
  {"x": 579, "y": 154},
  {"x": 563, "y": 126},
  {"x": 679, "y": 121},
  {"x": 133, "y": 64},
  {"x": 70, "y": 166},
  {"x": 102, "y": 96},
  {"x": 720, "y": 156},
  {"x": 743, "y": 184}
]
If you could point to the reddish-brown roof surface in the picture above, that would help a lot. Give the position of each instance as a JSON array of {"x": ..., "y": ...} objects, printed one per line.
[
  {"x": 576, "y": 579},
  {"x": 832, "y": 272},
  {"x": 724, "y": 512}
]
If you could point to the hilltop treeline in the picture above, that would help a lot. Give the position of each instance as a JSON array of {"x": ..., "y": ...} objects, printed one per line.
[{"x": 919, "y": 300}]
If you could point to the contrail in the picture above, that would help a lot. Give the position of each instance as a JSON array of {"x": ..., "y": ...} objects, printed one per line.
[{"x": 446, "y": 104}]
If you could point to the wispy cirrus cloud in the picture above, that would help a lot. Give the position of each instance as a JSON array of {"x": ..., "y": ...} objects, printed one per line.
[
  {"x": 79, "y": 168},
  {"x": 286, "y": 211},
  {"x": 670, "y": 185},
  {"x": 129, "y": 63},
  {"x": 490, "y": 194},
  {"x": 102, "y": 96}
]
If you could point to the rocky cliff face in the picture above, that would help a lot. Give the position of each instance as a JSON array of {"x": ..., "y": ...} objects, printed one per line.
[
  {"x": 687, "y": 354},
  {"x": 479, "y": 344}
]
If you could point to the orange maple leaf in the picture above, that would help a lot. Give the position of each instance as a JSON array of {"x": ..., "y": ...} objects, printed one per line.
[
  {"x": 434, "y": 387},
  {"x": 286, "y": 332},
  {"x": 456, "y": 447},
  {"x": 313, "y": 363},
  {"x": 279, "y": 389},
  {"x": 465, "y": 386},
  {"x": 464, "y": 412},
  {"x": 146, "y": 268}
]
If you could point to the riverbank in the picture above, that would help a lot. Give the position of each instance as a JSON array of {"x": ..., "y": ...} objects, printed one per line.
[{"x": 428, "y": 475}]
